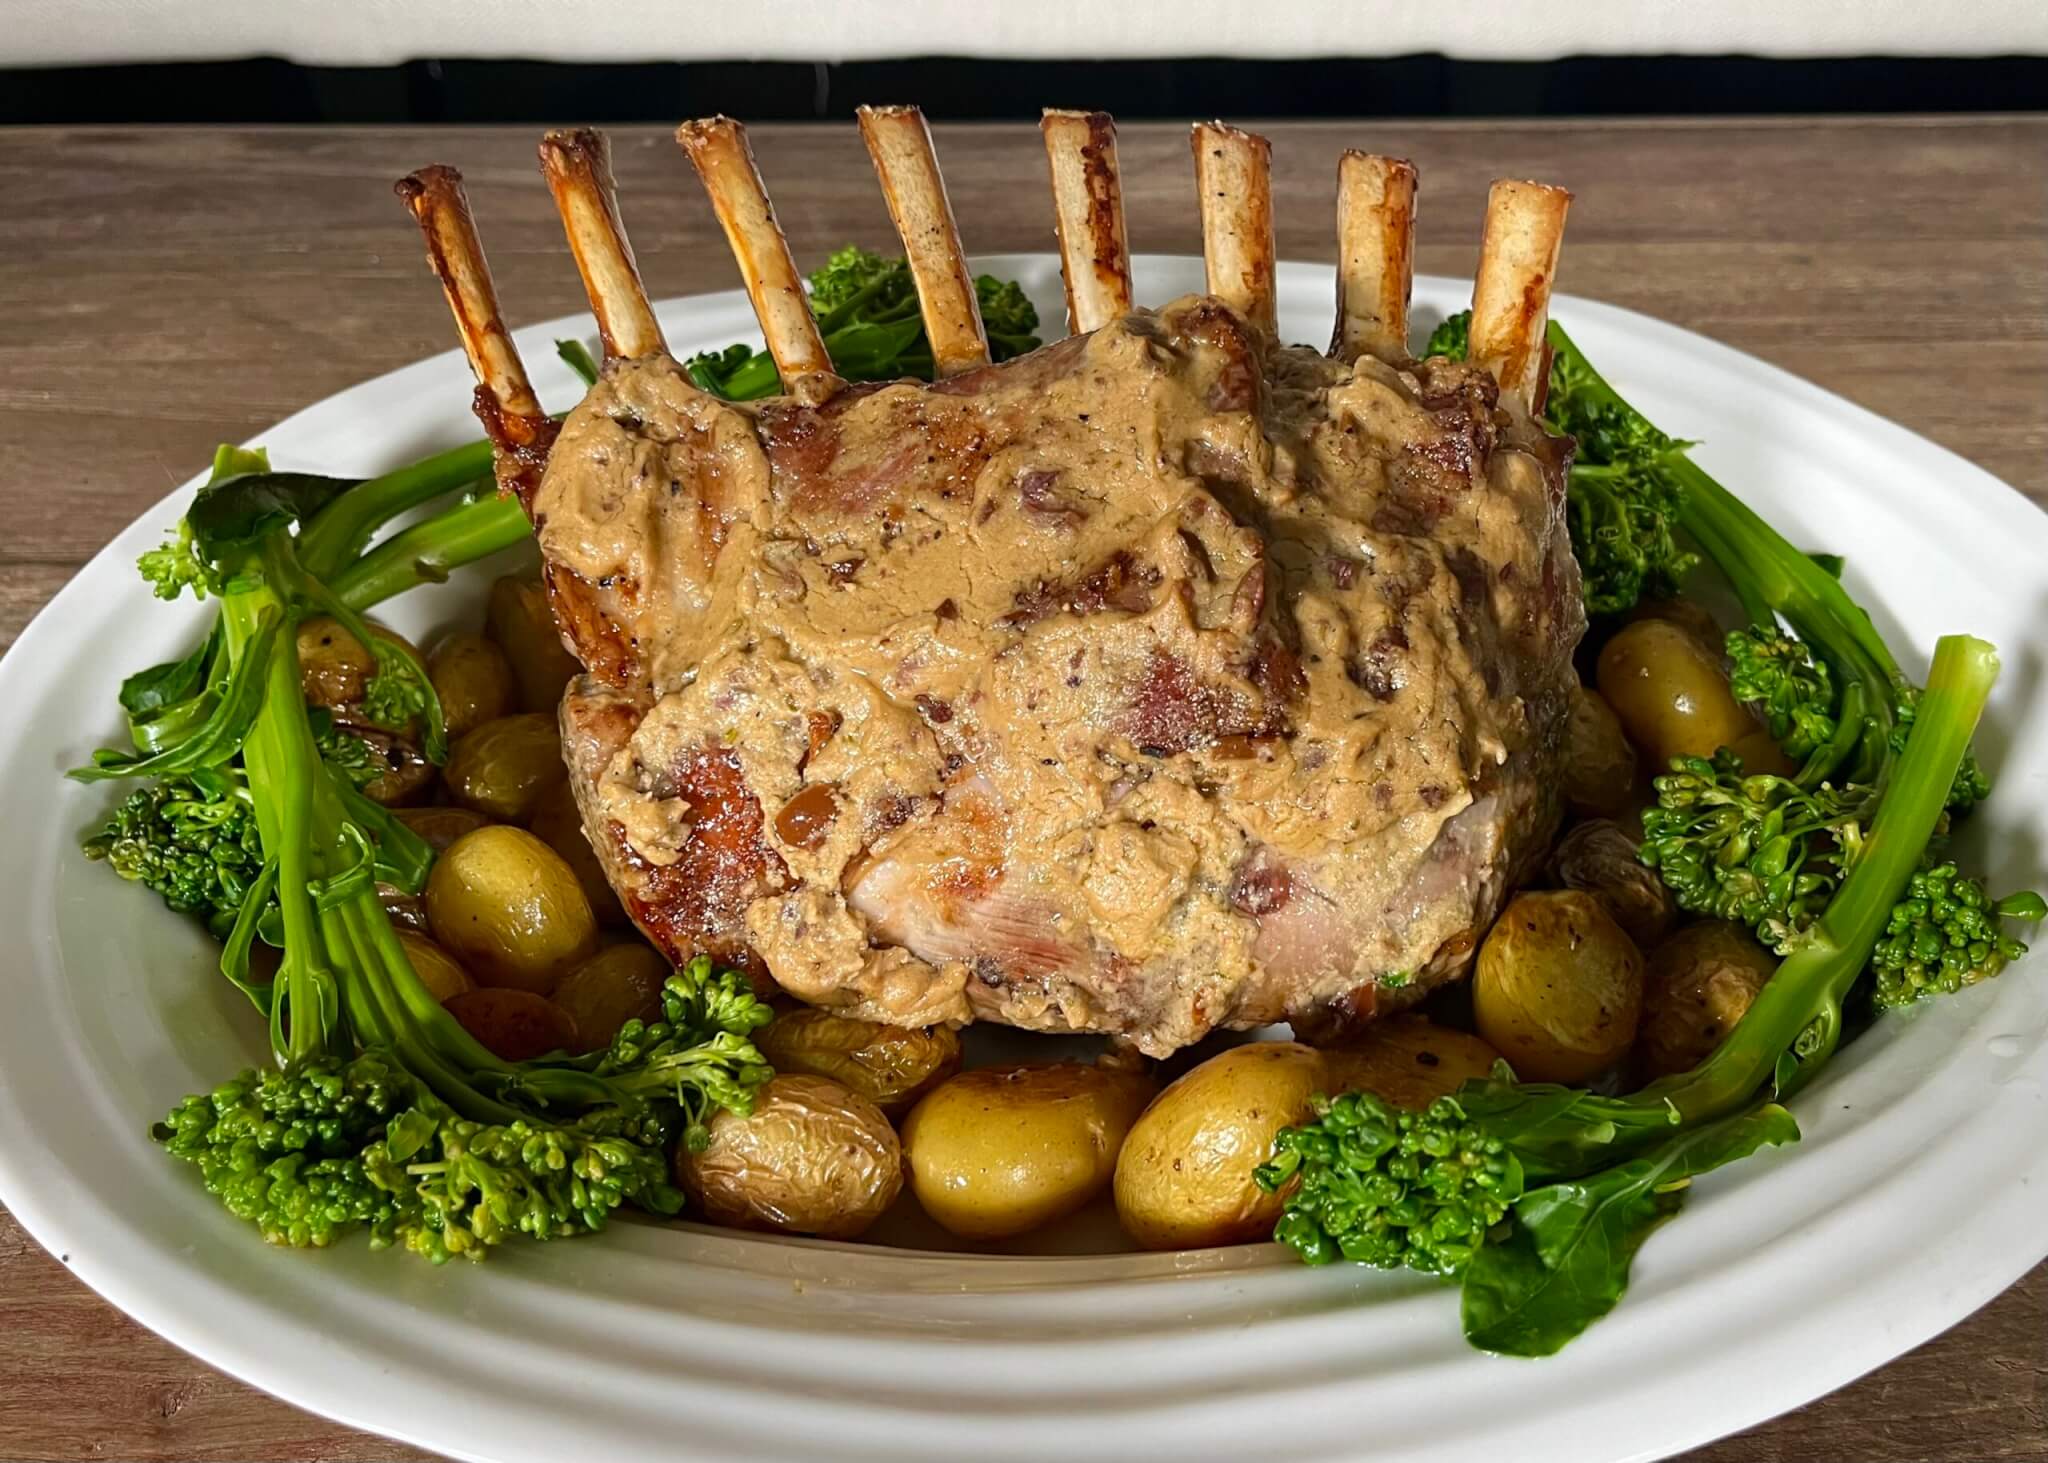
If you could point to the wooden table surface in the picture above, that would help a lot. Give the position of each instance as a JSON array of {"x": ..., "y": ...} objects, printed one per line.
[{"x": 167, "y": 289}]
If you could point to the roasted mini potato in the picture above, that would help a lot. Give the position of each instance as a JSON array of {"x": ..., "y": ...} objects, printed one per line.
[
  {"x": 1184, "y": 1178},
  {"x": 1599, "y": 858},
  {"x": 406, "y": 911},
  {"x": 334, "y": 666},
  {"x": 618, "y": 984},
  {"x": 509, "y": 910},
  {"x": 891, "y": 1066},
  {"x": 503, "y": 768},
  {"x": 812, "y": 1158},
  {"x": 407, "y": 773},
  {"x": 1408, "y": 1061},
  {"x": 436, "y": 968},
  {"x": 1002, "y": 1150},
  {"x": 440, "y": 826},
  {"x": 1697, "y": 985},
  {"x": 514, "y": 1026},
  {"x": 1688, "y": 614},
  {"x": 524, "y": 627},
  {"x": 558, "y": 823},
  {"x": 1670, "y": 693},
  {"x": 474, "y": 681},
  {"x": 1558, "y": 989},
  {"x": 1599, "y": 763}
]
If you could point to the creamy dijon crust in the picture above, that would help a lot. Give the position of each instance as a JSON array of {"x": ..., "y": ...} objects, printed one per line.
[{"x": 1158, "y": 681}]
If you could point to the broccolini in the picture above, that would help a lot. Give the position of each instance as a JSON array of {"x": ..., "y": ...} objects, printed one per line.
[
  {"x": 381, "y": 1111},
  {"x": 867, "y": 311},
  {"x": 1536, "y": 1197}
]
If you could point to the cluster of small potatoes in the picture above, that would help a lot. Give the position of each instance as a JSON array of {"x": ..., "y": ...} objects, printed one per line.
[
  {"x": 1591, "y": 978},
  {"x": 517, "y": 933},
  {"x": 857, "y": 1111}
]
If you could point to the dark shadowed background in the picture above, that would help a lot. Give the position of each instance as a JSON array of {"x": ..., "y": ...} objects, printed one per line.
[{"x": 272, "y": 90}]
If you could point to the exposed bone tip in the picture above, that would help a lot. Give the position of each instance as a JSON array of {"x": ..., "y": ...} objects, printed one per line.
[
  {"x": 563, "y": 145},
  {"x": 435, "y": 180}
]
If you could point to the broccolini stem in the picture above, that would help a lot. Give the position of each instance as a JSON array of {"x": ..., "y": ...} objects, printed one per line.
[
  {"x": 342, "y": 530},
  {"x": 427, "y": 552},
  {"x": 1783, "y": 578},
  {"x": 576, "y": 356},
  {"x": 302, "y": 1020}
]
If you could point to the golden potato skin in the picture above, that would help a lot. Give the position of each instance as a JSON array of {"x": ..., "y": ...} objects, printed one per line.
[
  {"x": 618, "y": 984},
  {"x": 891, "y": 1066},
  {"x": 407, "y": 776},
  {"x": 558, "y": 823},
  {"x": 440, "y": 826},
  {"x": 474, "y": 681},
  {"x": 405, "y": 911},
  {"x": 1598, "y": 857},
  {"x": 1697, "y": 985},
  {"x": 504, "y": 767},
  {"x": 1408, "y": 1061},
  {"x": 436, "y": 968},
  {"x": 812, "y": 1158},
  {"x": 334, "y": 666},
  {"x": 514, "y": 1026},
  {"x": 1599, "y": 762},
  {"x": 1558, "y": 989},
  {"x": 509, "y": 910},
  {"x": 1670, "y": 693},
  {"x": 1184, "y": 1178},
  {"x": 1689, "y": 615},
  {"x": 1000, "y": 1151},
  {"x": 524, "y": 627}
]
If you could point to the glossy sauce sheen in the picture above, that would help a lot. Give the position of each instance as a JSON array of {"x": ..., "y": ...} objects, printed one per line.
[{"x": 1157, "y": 681}]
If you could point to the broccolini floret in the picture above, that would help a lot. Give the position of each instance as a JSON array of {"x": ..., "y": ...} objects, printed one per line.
[
  {"x": 1759, "y": 849},
  {"x": 192, "y": 839},
  {"x": 1775, "y": 672},
  {"x": 1944, "y": 935},
  {"x": 1390, "y": 1188}
]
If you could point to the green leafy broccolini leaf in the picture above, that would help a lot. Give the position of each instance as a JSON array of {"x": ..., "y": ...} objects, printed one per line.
[{"x": 1567, "y": 1261}]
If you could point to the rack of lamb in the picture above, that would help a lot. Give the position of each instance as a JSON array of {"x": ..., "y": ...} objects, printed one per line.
[{"x": 1165, "y": 679}]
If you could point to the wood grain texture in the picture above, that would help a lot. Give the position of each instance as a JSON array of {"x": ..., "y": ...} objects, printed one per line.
[{"x": 166, "y": 289}]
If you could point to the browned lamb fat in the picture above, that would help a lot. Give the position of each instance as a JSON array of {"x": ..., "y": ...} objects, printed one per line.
[{"x": 1162, "y": 680}]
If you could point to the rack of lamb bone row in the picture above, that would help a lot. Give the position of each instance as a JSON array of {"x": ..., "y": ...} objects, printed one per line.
[{"x": 1164, "y": 679}]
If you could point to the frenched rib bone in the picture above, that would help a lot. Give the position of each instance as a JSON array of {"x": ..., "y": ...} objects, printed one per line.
[
  {"x": 1088, "y": 207},
  {"x": 1233, "y": 179},
  {"x": 1375, "y": 256},
  {"x": 578, "y": 167},
  {"x": 1511, "y": 296},
  {"x": 717, "y": 148},
  {"x": 901, "y": 146},
  {"x": 436, "y": 198}
]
